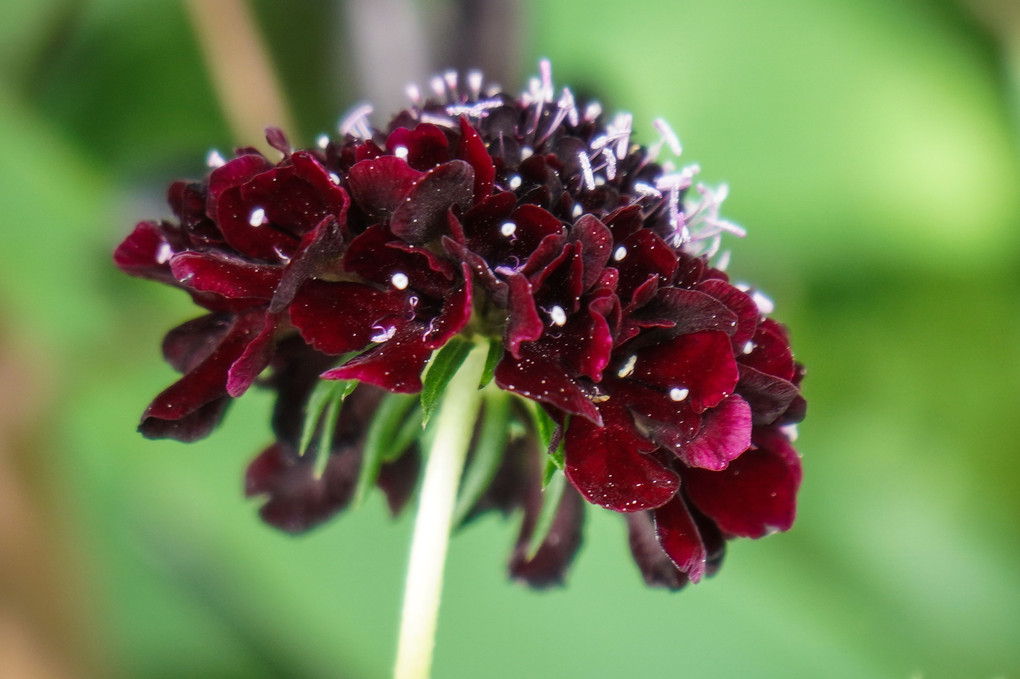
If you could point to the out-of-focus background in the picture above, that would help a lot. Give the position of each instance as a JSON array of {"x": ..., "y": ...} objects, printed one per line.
[{"x": 872, "y": 152}]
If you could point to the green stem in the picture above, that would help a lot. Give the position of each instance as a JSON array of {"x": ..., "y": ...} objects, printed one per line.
[{"x": 453, "y": 428}]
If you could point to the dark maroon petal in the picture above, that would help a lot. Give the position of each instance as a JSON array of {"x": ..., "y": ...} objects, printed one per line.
[
  {"x": 196, "y": 425},
  {"x": 255, "y": 358},
  {"x": 523, "y": 322},
  {"x": 687, "y": 311},
  {"x": 427, "y": 145},
  {"x": 278, "y": 140},
  {"x": 596, "y": 245},
  {"x": 398, "y": 479},
  {"x": 770, "y": 351},
  {"x": 192, "y": 342},
  {"x": 769, "y": 397},
  {"x": 379, "y": 186},
  {"x": 233, "y": 174},
  {"x": 226, "y": 275},
  {"x": 608, "y": 465},
  {"x": 756, "y": 494},
  {"x": 207, "y": 381},
  {"x": 625, "y": 221},
  {"x": 146, "y": 253},
  {"x": 497, "y": 289},
  {"x": 644, "y": 253},
  {"x": 657, "y": 569},
  {"x": 472, "y": 149},
  {"x": 248, "y": 229},
  {"x": 671, "y": 424},
  {"x": 725, "y": 433},
  {"x": 454, "y": 316},
  {"x": 740, "y": 303},
  {"x": 548, "y": 565},
  {"x": 701, "y": 363},
  {"x": 339, "y": 317},
  {"x": 298, "y": 499},
  {"x": 679, "y": 537},
  {"x": 422, "y": 215},
  {"x": 541, "y": 379},
  {"x": 319, "y": 249},
  {"x": 395, "y": 364}
]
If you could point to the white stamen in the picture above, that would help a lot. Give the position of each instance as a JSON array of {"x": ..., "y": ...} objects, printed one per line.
[
  {"x": 413, "y": 93},
  {"x": 610, "y": 165},
  {"x": 399, "y": 280},
  {"x": 214, "y": 159},
  {"x": 438, "y": 87},
  {"x": 765, "y": 305},
  {"x": 577, "y": 211},
  {"x": 724, "y": 261},
  {"x": 668, "y": 136},
  {"x": 748, "y": 347},
  {"x": 508, "y": 229},
  {"x": 442, "y": 121},
  {"x": 526, "y": 152},
  {"x": 791, "y": 432},
  {"x": 679, "y": 393},
  {"x": 383, "y": 333},
  {"x": 356, "y": 124},
  {"x": 474, "y": 79},
  {"x": 515, "y": 182},
  {"x": 545, "y": 68},
  {"x": 628, "y": 367},
  {"x": 257, "y": 217},
  {"x": 589, "y": 178},
  {"x": 451, "y": 80},
  {"x": 322, "y": 141},
  {"x": 592, "y": 111},
  {"x": 647, "y": 190},
  {"x": 558, "y": 315},
  {"x": 164, "y": 253},
  {"x": 400, "y": 152},
  {"x": 620, "y": 253}
]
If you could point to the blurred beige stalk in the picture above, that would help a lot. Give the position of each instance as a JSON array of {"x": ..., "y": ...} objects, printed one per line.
[
  {"x": 241, "y": 70},
  {"x": 1002, "y": 20},
  {"x": 43, "y": 623}
]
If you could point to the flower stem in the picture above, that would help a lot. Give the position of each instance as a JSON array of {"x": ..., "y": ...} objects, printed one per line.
[{"x": 452, "y": 436}]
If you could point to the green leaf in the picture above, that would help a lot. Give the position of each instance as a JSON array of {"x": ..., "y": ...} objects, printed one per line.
[
  {"x": 491, "y": 359},
  {"x": 488, "y": 453},
  {"x": 551, "y": 496},
  {"x": 384, "y": 433},
  {"x": 442, "y": 369},
  {"x": 327, "y": 393},
  {"x": 546, "y": 431}
]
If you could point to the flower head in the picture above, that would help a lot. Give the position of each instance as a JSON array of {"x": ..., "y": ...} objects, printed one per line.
[{"x": 530, "y": 222}]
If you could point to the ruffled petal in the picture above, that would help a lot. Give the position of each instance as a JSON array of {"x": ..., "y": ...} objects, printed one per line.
[
  {"x": 339, "y": 317},
  {"x": 538, "y": 378},
  {"x": 756, "y": 494},
  {"x": 699, "y": 366},
  {"x": 680, "y": 538}
]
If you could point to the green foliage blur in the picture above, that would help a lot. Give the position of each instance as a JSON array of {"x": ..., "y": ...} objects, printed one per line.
[{"x": 872, "y": 152}]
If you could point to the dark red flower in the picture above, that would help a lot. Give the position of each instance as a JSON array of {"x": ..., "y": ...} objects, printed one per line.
[{"x": 528, "y": 221}]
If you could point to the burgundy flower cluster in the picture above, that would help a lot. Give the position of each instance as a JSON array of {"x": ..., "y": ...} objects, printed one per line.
[{"x": 526, "y": 220}]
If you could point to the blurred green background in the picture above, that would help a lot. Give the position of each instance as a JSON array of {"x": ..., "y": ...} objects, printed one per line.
[{"x": 872, "y": 152}]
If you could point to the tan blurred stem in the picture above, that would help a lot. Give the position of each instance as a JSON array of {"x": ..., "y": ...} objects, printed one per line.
[
  {"x": 240, "y": 68},
  {"x": 454, "y": 425}
]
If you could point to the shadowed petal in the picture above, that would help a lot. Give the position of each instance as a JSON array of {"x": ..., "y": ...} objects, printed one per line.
[{"x": 679, "y": 537}]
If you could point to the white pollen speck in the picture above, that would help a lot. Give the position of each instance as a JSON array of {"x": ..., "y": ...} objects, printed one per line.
[
  {"x": 628, "y": 367},
  {"x": 515, "y": 182},
  {"x": 558, "y": 315},
  {"x": 678, "y": 393},
  {"x": 526, "y": 152},
  {"x": 164, "y": 253},
  {"x": 399, "y": 280},
  {"x": 383, "y": 333},
  {"x": 214, "y": 159},
  {"x": 508, "y": 229},
  {"x": 577, "y": 210},
  {"x": 257, "y": 217},
  {"x": 400, "y": 152},
  {"x": 322, "y": 141},
  {"x": 620, "y": 253},
  {"x": 334, "y": 177},
  {"x": 748, "y": 347}
]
